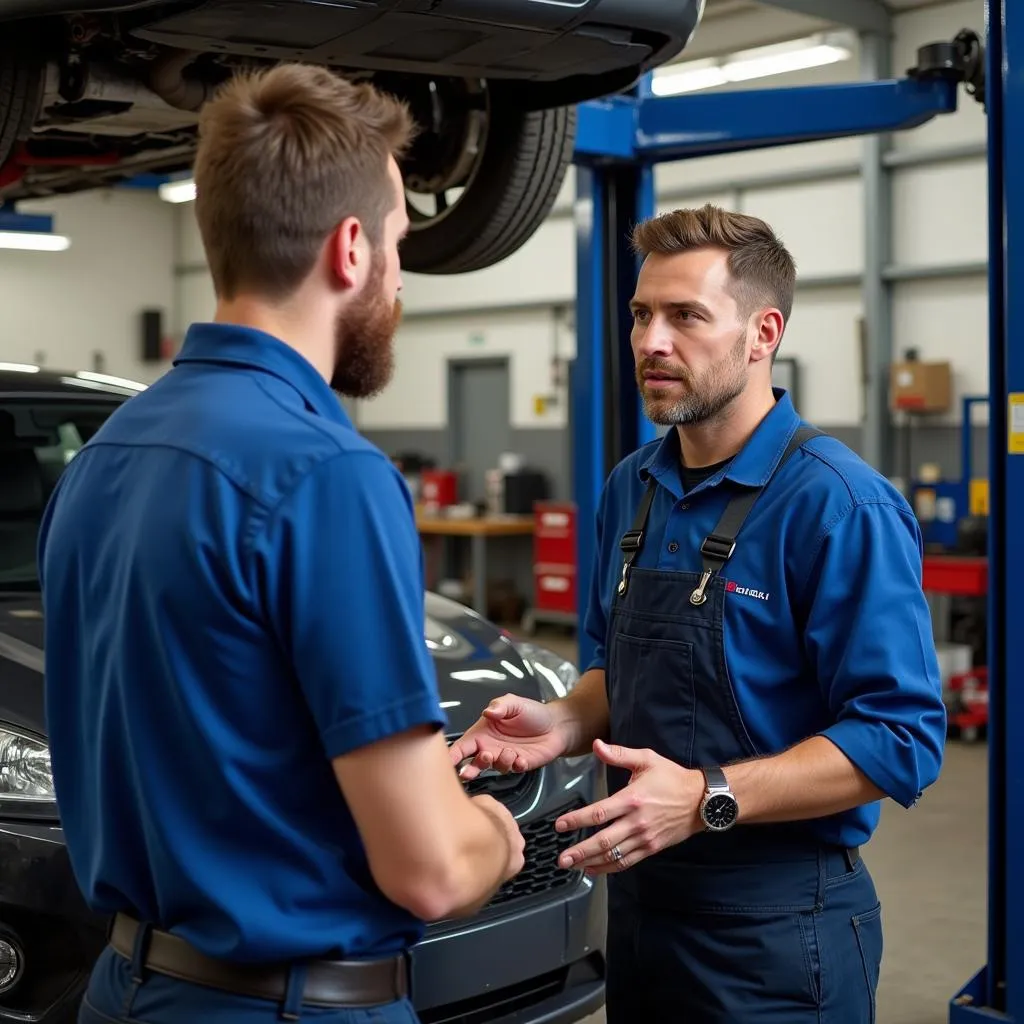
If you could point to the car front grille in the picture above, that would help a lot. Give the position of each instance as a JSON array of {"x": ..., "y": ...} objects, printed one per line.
[
  {"x": 541, "y": 873},
  {"x": 505, "y": 788}
]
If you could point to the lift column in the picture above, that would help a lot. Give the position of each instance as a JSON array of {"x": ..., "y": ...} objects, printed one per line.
[
  {"x": 996, "y": 993},
  {"x": 607, "y": 418}
]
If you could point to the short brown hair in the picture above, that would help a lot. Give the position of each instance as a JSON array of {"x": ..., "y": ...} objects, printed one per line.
[
  {"x": 284, "y": 156},
  {"x": 762, "y": 269}
]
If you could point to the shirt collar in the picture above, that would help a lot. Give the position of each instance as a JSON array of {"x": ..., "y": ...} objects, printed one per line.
[
  {"x": 752, "y": 465},
  {"x": 232, "y": 344}
]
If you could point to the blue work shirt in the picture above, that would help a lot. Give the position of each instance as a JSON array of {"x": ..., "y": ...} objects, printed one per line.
[
  {"x": 233, "y": 592},
  {"x": 827, "y": 629}
]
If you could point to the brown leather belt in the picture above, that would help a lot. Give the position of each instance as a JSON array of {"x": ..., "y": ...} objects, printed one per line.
[{"x": 328, "y": 983}]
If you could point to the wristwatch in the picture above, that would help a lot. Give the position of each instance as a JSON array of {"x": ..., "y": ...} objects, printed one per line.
[{"x": 719, "y": 808}]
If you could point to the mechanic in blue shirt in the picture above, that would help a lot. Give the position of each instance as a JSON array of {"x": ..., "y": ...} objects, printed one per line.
[
  {"x": 764, "y": 672},
  {"x": 246, "y": 734}
]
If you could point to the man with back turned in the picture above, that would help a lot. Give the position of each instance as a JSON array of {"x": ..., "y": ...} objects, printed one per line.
[{"x": 247, "y": 740}]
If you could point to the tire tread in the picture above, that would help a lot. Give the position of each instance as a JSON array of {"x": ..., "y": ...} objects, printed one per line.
[{"x": 520, "y": 181}]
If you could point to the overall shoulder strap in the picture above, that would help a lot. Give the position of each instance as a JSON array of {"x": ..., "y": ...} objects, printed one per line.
[
  {"x": 720, "y": 544},
  {"x": 633, "y": 539}
]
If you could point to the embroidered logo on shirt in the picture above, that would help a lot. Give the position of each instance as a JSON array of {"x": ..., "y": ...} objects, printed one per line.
[{"x": 732, "y": 587}]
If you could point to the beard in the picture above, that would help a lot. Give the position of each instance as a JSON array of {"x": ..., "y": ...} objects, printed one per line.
[
  {"x": 364, "y": 339},
  {"x": 704, "y": 398}
]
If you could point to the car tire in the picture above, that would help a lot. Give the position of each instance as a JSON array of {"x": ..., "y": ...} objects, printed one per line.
[
  {"x": 519, "y": 172},
  {"x": 21, "y": 84}
]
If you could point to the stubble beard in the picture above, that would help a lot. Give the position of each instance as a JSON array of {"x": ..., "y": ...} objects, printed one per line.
[
  {"x": 705, "y": 399},
  {"x": 364, "y": 339}
]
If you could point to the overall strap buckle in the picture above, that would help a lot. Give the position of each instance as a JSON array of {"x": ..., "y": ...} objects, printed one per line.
[
  {"x": 632, "y": 541},
  {"x": 720, "y": 544},
  {"x": 718, "y": 548}
]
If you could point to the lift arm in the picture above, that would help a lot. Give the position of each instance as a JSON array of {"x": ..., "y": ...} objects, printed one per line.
[{"x": 683, "y": 127}]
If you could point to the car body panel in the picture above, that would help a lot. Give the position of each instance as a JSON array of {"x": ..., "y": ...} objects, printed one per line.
[
  {"x": 534, "y": 955},
  {"x": 535, "y": 40}
]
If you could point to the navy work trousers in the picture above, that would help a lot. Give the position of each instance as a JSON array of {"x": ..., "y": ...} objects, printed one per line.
[
  {"x": 771, "y": 943},
  {"x": 114, "y": 998}
]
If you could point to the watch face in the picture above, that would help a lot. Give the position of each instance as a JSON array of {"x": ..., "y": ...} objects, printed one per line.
[{"x": 720, "y": 812}]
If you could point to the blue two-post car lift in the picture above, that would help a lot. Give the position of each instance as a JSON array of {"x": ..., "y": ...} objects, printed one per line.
[{"x": 619, "y": 142}]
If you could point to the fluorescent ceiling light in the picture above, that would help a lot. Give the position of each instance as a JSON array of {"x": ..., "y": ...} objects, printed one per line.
[
  {"x": 692, "y": 76},
  {"x": 178, "y": 191},
  {"x": 37, "y": 241},
  {"x": 20, "y": 367}
]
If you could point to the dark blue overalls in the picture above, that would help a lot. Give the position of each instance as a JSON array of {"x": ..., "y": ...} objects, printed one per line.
[{"x": 758, "y": 924}]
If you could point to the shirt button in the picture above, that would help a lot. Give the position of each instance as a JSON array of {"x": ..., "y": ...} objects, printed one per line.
[
  {"x": 673, "y": 547},
  {"x": 683, "y": 505}
]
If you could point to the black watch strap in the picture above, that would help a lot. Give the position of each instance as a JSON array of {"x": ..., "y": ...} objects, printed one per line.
[{"x": 716, "y": 780}]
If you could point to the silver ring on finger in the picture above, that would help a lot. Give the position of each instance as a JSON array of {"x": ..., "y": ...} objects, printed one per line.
[{"x": 616, "y": 853}]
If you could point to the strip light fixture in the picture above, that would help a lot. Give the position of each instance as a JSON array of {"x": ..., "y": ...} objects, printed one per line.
[
  {"x": 31, "y": 232},
  {"x": 762, "y": 62},
  {"x": 183, "y": 191},
  {"x": 33, "y": 241}
]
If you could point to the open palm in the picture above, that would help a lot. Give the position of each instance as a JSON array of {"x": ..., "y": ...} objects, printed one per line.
[{"x": 514, "y": 734}]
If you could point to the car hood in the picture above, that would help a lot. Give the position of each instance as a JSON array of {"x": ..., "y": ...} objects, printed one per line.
[{"x": 475, "y": 662}]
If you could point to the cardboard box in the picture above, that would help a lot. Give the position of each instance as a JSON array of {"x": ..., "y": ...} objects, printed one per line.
[{"x": 922, "y": 387}]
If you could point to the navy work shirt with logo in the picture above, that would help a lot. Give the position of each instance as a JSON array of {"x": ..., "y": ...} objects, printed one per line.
[
  {"x": 827, "y": 629},
  {"x": 233, "y": 591}
]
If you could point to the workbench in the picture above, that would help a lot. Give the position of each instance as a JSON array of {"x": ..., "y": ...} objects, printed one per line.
[{"x": 480, "y": 530}]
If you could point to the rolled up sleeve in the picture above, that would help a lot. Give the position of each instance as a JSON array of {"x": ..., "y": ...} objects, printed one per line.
[
  {"x": 342, "y": 575},
  {"x": 869, "y": 636}
]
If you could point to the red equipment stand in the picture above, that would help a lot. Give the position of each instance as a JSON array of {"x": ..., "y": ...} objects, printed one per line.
[{"x": 966, "y": 692}]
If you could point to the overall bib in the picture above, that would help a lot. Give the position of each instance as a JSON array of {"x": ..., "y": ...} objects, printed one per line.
[{"x": 762, "y": 923}]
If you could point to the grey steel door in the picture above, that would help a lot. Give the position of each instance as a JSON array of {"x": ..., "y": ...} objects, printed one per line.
[{"x": 479, "y": 415}]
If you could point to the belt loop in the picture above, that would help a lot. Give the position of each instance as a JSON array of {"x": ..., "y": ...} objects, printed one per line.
[
  {"x": 291, "y": 1007},
  {"x": 140, "y": 952},
  {"x": 819, "y": 903},
  {"x": 404, "y": 971}
]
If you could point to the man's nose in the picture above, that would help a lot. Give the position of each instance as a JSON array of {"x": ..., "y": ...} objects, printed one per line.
[{"x": 655, "y": 339}]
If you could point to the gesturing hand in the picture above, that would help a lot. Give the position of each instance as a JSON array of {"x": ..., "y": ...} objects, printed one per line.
[
  {"x": 514, "y": 734},
  {"x": 658, "y": 808}
]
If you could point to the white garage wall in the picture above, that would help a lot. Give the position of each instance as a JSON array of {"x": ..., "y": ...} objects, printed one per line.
[
  {"x": 939, "y": 222},
  {"x": 64, "y": 308}
]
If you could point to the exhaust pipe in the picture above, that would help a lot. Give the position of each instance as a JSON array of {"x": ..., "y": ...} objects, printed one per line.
[{"x": 167, "y": 80}]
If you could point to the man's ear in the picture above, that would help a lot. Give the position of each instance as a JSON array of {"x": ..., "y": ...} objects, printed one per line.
[
  {"x": 770, "y": 326},
  {"x": 347, "y": 250}
]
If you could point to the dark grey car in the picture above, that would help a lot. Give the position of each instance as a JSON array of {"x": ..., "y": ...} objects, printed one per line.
[
  {"x": 98, "y": 91},
  {"x": 535, "y": 955}
]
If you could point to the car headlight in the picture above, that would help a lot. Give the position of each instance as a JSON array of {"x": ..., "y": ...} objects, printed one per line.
[
  {"x": 25, "y": 773},
  {"x": 558, "y": 675}
]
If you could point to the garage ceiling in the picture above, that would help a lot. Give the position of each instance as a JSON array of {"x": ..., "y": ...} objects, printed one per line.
[{"x": 731, "y": 25}]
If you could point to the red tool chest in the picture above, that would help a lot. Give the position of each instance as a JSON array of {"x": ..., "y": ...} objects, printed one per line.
[{"x": 554, "y": 557}]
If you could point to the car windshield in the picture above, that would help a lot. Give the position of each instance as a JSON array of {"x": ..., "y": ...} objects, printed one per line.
[{"x": 39, "y": 436}]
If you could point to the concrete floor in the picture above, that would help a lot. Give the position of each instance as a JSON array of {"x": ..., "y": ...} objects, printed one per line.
[{"x": 930, "y": 868}]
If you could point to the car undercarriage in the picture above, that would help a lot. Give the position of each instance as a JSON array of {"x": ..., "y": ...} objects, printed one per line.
[{"x": 93, "y": 94}]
